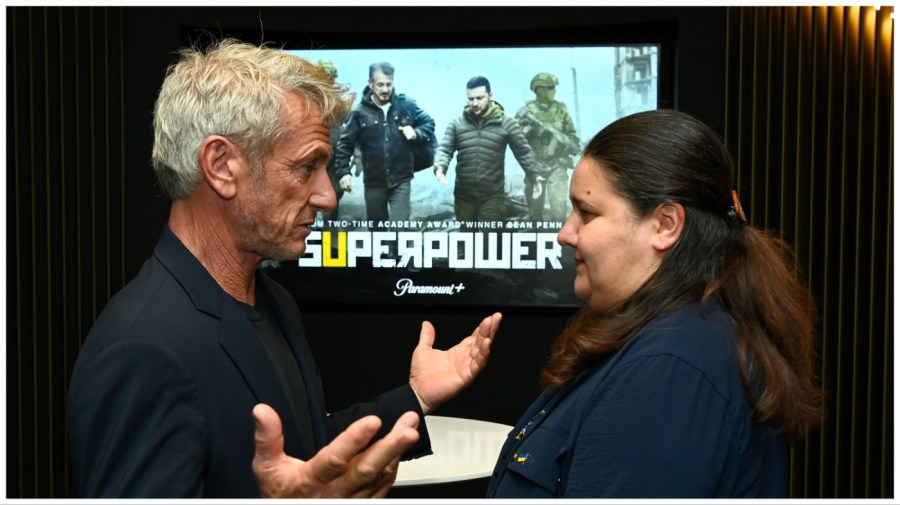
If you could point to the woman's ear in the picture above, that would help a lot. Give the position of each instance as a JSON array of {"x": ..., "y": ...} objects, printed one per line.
[
  {"x": 670, "y": 218},
  {"x": 219, "y": 163}
]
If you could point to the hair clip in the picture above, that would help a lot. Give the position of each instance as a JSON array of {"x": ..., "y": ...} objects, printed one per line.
[{"x": 736, "y": 211}]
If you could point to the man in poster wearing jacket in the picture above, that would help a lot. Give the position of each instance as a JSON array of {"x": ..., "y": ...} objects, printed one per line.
[
  {"x": 387, "y": 127},
  {"x": 480, "y": 137}
]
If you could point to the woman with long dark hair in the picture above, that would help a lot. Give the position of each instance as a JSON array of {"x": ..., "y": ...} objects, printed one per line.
[{"x": 692, "y": 365}]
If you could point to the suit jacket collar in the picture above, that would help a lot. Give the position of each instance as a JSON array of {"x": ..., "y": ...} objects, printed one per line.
[{"x": 204, "y": 291}]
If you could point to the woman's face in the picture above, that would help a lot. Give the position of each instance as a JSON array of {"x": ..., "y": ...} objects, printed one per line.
[{"x": 613, "y": 248}]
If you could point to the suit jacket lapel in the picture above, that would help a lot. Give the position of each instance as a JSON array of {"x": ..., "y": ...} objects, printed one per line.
[
  {"x": 243, "y": 346},
  {"x": 237, "y": 337}
]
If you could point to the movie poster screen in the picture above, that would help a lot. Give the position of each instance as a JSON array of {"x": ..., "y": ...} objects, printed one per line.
[{"x": 433, "y": 256}]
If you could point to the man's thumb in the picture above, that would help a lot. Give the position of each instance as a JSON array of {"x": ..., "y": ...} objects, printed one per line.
[
  {"x": 426, "y": 334},
  {"x": 268, "y": 436}
]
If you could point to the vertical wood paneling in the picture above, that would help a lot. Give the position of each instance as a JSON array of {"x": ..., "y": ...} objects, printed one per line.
[
  {"x": 883, "y": 308},
  {"x": 66, "y": 220},
  {"x": 809, "y": 119},
  {"x": 14, "y": 293}
]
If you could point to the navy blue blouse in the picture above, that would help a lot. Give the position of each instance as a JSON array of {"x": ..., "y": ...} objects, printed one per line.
[{"x": 664, "y": 417}]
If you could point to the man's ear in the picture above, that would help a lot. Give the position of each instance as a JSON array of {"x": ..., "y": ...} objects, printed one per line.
[
  {"x": 220, "y": 162},
  {"x": 670, "y": 224}
]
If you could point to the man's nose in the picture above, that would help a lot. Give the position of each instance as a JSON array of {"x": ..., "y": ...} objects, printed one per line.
[{"x": 325, "y": 197}]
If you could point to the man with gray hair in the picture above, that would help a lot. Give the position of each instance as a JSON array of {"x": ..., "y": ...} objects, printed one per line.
[
  {"x": 395, "y": 137},
  {"x": 176, "y": 389}
]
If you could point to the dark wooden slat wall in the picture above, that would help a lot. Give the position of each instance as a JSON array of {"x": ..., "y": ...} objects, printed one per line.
[
  {"x": 65, "y": 221},
  {"x": 809, "y": 118}
]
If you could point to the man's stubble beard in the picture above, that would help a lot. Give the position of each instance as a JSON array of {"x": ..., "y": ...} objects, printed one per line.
[{"x": 249, "y": 224}]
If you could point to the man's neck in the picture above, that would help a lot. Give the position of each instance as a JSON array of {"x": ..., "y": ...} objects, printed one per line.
[
  {"x": 384, "y": 108},
  {"x": 212, "y": 242}
]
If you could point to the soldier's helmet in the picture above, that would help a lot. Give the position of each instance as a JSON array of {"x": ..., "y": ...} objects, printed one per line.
[
  {"x": 329, "y": 68},
  {"x": 544, "y": 79}
]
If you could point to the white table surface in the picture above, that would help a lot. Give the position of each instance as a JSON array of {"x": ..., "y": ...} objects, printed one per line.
[{"x": 463, "y": 449}]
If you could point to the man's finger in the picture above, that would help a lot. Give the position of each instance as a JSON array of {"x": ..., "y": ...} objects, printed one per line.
[
  {"x": 387, "y": 480},
  {"x": 489, "y": 325},
  {"x": 332, "y": 460},
  {"x": 268, "y": 436},
  {"x": 485, "y": 337},
  {"x": 426, "y": 334},
  {"x": 376, "y": 462},
  {"x": 494, "y": 324}
]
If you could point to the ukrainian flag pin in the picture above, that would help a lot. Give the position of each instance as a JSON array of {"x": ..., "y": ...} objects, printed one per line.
[{"x": 523, "y": 458}]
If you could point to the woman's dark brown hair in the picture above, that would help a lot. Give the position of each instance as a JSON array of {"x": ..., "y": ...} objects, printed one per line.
[{"x": 665, "y": 156}]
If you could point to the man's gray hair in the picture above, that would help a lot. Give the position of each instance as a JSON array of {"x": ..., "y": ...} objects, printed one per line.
[
  {"x": 236, "y": 90},
  {"x": 383, "y": 67}
]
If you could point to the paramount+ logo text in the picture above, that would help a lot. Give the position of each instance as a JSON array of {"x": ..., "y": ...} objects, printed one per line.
[{"x": 407, "y": 287}]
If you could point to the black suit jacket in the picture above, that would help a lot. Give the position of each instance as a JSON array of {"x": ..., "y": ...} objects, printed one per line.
[{"x": 161, "y": 397}]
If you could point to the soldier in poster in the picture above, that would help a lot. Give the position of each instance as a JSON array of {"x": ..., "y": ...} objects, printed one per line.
[{"x": 551, "y": 133}]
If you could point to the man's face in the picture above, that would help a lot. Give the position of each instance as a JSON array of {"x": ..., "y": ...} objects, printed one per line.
[
  {"x": 545, "y": 93},
  {"x": 275, "y": 209},
  {"x": 479, "y": 100},
  {"x": 382, "y": 86}
]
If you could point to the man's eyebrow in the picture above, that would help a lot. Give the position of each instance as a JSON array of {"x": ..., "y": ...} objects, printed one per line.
[{"x": 320, "y": 151}]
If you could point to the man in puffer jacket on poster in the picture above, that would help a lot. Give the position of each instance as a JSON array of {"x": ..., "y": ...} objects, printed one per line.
[{"x": 480, "y": 137}]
